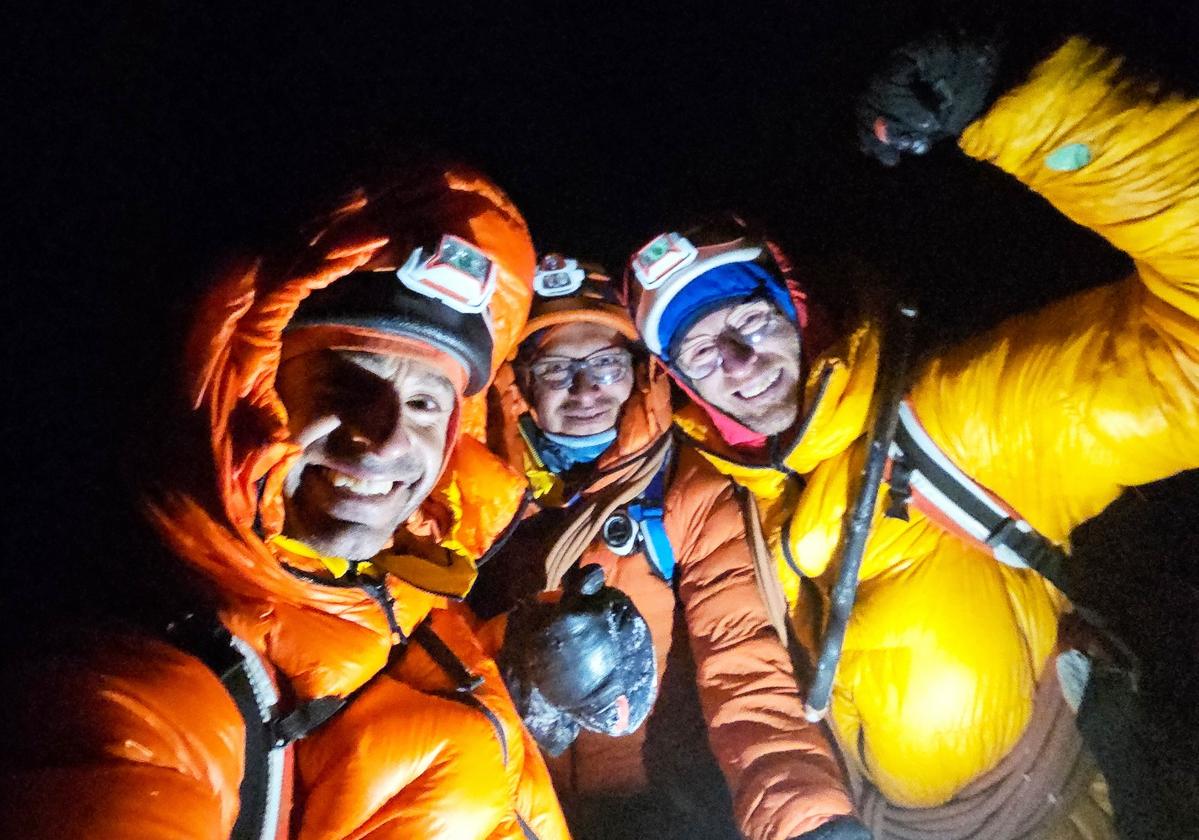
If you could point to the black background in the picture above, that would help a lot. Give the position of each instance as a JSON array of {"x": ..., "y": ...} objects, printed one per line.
[{"x": 154, "y": 142}]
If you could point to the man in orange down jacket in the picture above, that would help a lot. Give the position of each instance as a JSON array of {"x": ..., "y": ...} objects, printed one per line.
[
  {"x": 949, "y": 703},
  {"x": 334, "y": 508},
  {"x": 585, "y": 416}
]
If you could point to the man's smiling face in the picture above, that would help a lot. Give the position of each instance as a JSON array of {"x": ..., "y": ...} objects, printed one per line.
[
  {"x": 749, "y": 356},
  {"x": 373, "y": 429},
  {"x": 582, "y": 406}
]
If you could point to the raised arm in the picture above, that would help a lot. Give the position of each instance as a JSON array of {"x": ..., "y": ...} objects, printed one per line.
[{"x": 1058, "y": 410}]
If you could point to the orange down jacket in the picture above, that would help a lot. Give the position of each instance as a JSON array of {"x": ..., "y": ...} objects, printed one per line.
[
  {"x": 138, "y": 739},
  {"x": 1055, "y": 412},
  {"x": 779, "y": 769}
]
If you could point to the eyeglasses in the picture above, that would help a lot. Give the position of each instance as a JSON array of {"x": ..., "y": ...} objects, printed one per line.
[
  {"x": 749, "y": 324},
  {"x": 603, "y": 367}
]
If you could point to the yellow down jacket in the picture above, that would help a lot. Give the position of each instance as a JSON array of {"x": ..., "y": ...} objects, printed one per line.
[{"x": 1055, "y": 412}]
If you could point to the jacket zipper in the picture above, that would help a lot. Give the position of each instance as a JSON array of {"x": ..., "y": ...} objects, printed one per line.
[
  {"x": 525, "y": 828},
  {"x": 492, "y": 718},
  {"x": 381, "y": 595},
  {"x": 378, "y": 591},
  {"x": 502, "y": 540},
  {"x": 780, "y": 461},
  {"x": 465, "y": 682}
]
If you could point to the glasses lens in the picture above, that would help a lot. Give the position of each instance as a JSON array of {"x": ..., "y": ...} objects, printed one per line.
[
  {"x": 609, "y": 367},
  {"x": 698, "y": 362},
  {"x": 753, "y": 323},
  {"x": 555, "y": 373}
]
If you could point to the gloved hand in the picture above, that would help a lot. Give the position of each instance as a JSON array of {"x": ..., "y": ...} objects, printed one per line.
[
  {"x": 842, "y": 828},
  {"x": 930, "y": 90},
  {"x": 585, "y": 662}
]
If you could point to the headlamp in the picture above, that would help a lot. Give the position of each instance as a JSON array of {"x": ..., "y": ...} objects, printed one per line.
[
  {"x": 661, "y": 257},
  {"x": 558, "y": 276},
  {"x": 457, "y": 274}
]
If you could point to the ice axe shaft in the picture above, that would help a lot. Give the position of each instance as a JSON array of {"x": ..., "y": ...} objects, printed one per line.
[{"x": 894, "y": 357}]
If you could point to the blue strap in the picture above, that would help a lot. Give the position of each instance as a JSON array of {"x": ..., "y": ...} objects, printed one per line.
[{"x": 647, "y": 512}]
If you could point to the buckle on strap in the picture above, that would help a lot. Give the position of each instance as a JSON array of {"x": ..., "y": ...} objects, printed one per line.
[
  {"x": 304, "y": 720},
  {"x": 899, "y": 487},
  {"x": 620, "y": 533},
  {"x": 1016, "y": 543},
  {"x": 654, "y": 540},
  {"x": 1008, "y": 534}
]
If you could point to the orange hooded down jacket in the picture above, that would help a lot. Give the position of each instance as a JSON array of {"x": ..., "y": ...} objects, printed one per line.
[
  {"x": 780, "y": 770},
  {"x": 139, "y": 739},
  {"x": 1054, "y": 412}
]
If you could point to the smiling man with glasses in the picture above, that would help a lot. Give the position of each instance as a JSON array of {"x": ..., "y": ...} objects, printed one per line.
[
  {"x": 323, "y": 509},
  {"x": 954, "y": 683},
  {"x": 579, "y": 380}
]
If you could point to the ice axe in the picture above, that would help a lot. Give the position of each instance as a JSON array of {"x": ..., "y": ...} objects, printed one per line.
[{"x": 894, "y": 358}]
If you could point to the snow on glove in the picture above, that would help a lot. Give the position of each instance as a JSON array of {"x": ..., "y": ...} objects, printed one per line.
[
  {"x": 930, "y": 90},
  {"x": 842, "y": 828},
  {"x": 585, "y": 662}
]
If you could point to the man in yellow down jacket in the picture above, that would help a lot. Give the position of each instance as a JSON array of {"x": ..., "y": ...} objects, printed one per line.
[{"x": 947, "y": 690}]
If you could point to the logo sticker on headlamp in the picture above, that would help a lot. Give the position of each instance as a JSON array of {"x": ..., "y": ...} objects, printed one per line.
[
  {"x": 558, "y": 276},
  {"x": 458, "y": 274},
  {"x": 662, "y": 257}
]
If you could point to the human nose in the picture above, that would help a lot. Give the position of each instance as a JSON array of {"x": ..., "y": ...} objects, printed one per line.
[
  {"x": 736, "y": 356},
  {"x": 378, "y": 430},
  {"x": 581, "y": 383}
]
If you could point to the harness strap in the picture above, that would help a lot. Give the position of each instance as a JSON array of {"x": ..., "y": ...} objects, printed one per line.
[
  {"x": 591, "y": 513},
  {"x": 922, "y": 475},
  {"x": 648, "y": 511}
]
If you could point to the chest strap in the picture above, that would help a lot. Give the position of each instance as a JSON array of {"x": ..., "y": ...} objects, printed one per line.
[{"x": 921, "y": 475}]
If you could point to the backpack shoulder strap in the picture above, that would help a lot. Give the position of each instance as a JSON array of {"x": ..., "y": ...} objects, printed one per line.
[
  {"x": 265, "y": 794},
  {"x": 247, "y": 678},
  {"x": 648, "y": 512},
  {"x": 765, "y": 573}
]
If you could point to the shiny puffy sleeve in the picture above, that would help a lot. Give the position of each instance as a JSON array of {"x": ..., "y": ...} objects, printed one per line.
[
  {"x": 137, "y": 739},
  {"x": 780, "y": 769},
  {"x": 1058, "y": 410}
]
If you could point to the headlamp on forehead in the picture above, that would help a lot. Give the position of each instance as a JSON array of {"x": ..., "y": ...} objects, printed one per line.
[
  {"x": 458, "y": 274},
  {"x": 558, "y": 276},
  {"x": 661, "y": 257}
]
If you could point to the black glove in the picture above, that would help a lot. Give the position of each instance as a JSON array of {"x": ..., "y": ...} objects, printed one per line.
[
  {"x": 930, "y": 90},
  {"x": 842, "y": 828},
  {"x": 586, "y": 662}
]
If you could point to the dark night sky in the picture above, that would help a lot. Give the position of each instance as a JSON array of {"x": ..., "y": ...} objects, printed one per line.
[{"x": 159, "y": 140}]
